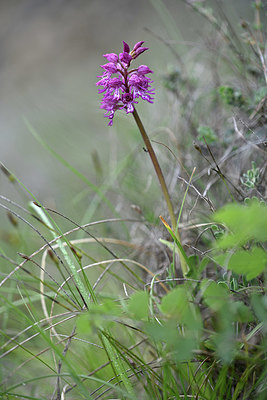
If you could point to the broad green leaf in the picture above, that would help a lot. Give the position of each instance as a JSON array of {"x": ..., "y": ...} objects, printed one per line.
[
  {"x": 175, "y": 303},
  {"x": 181, "y": 346},
  {"x": 184, "y": 259},
  {"x": 224, "y": 337},
  {"x": 225, "y": 345},
  {"x": 196, "y": 266},
  {"x": 245, "y": 223},
  {"x": 167, "y": 332},
  {"x": 221, "y": 259},
  {"x": 184, "y": 347},
  {"x": 241, "y": 312},
  {"x": 215, "y": 296},
  {"x": 100, "y": 315},
  {"x": 250, "y": 263},
  {"x": 138, "y": 305}
]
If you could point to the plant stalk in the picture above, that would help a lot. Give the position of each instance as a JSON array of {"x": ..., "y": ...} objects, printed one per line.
[
  {"x": 156, "y": 167},
  {"x": 162, "y": 183}
]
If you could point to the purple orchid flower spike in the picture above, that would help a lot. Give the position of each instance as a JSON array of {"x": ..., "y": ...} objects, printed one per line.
[
  {"x": 121, "y": 88},
  {"x": 121, "y": 85}
]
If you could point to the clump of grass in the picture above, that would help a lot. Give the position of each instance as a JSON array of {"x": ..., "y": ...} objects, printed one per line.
[{"x": 103, "y": 309}]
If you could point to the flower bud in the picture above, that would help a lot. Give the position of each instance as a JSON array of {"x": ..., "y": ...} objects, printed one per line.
[
  {"x": 111, "y": 57},
  {"x": 137, "y": 45},
  {"x": 126, "y": 48}
]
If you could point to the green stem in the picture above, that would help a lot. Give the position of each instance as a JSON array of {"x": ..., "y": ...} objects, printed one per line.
[
  {"x": 161, "y": 181},
  {"x": 156, "y": 167}
]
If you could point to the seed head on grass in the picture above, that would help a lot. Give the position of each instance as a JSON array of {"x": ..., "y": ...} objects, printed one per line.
[{"x": 122, "y": 86}]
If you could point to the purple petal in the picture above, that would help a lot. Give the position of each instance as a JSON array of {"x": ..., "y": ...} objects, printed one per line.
[
  {"x": 143, "y": 69},
  {"x": 125, "y": 58},
  {"x": 111, "y": 57},
  {"x": 115, "y": 82},
  {"x": 140, "y": 50},
  {"x": 137, "y": 45},
  {"x": 126, "y": 48},
  {"x": 110, "y": 67}
]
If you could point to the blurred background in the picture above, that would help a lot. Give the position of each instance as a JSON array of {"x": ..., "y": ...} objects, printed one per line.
[{"x": 50, "y": 52}]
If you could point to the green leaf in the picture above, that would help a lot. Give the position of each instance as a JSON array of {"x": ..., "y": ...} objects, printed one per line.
[
  {"x": 225, "y": 345},
  {"x": 167, "y": 332},
  {"x": 221, "y": 259},
  {"x": 245, "y": 222},
  {"x": 215, "y": 296},
  {"x": 175, "y": 304},
  {"x": 138, "y": 305},
  {"x": 224, "y": 336},
  {"x": 196, "y": 266},
  {"x": 250, "y": 263},
  {"x": 204, "y": 262},
  {"x": 193, "y": 262},
  {"x": 184, "y": 347},
  {"x": 117, "y": 363},
  {"x": 180, "y": 345},
  {"x": 170, "y": 245},
  {"x": 100, "y": 316},
  {"x": 241, "y": 312}
]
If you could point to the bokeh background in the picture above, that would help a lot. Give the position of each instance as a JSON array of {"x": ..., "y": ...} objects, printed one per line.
[{"x": 50, "y": 52}]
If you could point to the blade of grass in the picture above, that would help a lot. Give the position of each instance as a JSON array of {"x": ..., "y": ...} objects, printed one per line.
[
  {"x": 116, "y": 363},
  {"x": 180, "y": 247},
  {"x": 53, "y": 347},
  {"x": 77, "y": 278}
]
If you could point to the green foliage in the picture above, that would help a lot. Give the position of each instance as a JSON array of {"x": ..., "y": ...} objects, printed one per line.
[
  {"x": 245, "y": 222},
  {"x": 138, "y": 305},
  {"x": 249, "y": 263},
  {"x": 214, "y": 295},
  {"x": 180, "y": 325},
  {"x": 99, "y": 316},
  {"x": 207, "y": 133},
  {"x": 180, "y": 346},
  {"x": 251, "y": 177},
  {"x": 231, "y": 97}
]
